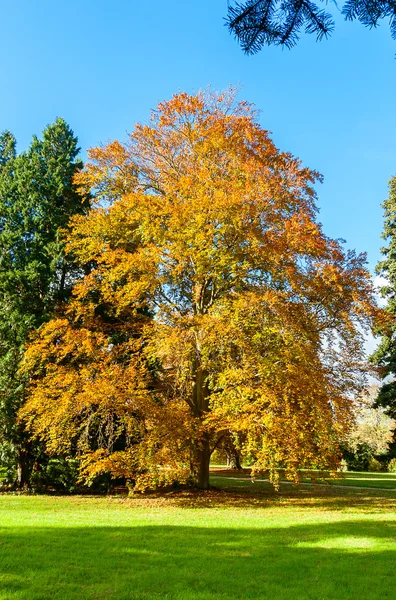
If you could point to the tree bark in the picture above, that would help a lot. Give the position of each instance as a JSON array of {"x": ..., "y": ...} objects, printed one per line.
[
  {"x": 233, "y": 460},
  {"x": 24, "y": 464},
  {"x": 233, "y": 457},
  {"x": 200, "y": 404},
  {"x": 203, "y": 459}
]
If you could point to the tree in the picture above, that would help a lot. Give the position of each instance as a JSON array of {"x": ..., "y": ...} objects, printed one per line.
[
  {"x": 385, "y": 355},
  {"x": 233, "y": 314},
  {"x": 37, "y": 198},
  {"x": 373, "y": 428},
  {"x": 256, "y": 23}
]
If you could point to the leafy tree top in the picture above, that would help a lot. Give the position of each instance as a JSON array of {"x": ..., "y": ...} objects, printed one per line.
[{"x": 37, "y": 199}]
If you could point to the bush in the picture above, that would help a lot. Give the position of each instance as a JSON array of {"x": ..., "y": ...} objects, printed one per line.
[
  {"x": 392, "y": 465},
  {"x": 59, "y": 474},
  {"x": 7, "y": 463},
  {"x": 374, "y": 465},
  {"x": 358, "y": 460}
]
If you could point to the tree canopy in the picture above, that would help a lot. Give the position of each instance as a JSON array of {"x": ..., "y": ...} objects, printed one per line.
[
  {"x": 256, "y": 23},
  {"x": 214, "y": 305}
]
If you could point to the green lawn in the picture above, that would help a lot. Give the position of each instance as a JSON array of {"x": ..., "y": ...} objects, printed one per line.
[
  {"x": 350, "y": 478},
  {"x": 376, "y": 480},
  {"x": 241, "y": 541}
]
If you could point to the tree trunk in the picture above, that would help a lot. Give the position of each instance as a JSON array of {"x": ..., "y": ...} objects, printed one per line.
[
  {"x": 233, "y": 460},
  {"x": 23, "y": 468},
  {"x": 200, "y": 405},
  {"x": 203, "y": 460}
]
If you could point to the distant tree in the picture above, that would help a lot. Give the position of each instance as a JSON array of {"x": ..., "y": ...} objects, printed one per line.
[
  {"x": 385, "y": 356},
  {"x": 37, "y": 199},
  {"x": 236, "y": 315},
  {"x": 372, "y": 428},
  {"x": 257, "y": 23}
]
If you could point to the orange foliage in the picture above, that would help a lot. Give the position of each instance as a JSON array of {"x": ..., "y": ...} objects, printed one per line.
[{"x": 231, "y": 311}]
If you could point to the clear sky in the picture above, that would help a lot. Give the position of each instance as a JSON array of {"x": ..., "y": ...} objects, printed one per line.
[{"x": 103, "y": 65}]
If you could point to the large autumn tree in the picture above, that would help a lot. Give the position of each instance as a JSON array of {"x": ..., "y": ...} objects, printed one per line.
[{"x": 215, "y": 307}]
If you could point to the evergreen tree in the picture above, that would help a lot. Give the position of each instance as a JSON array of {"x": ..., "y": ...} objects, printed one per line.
[
  {"x": 385, "y": 355},
  {"x": 257, "y": 23},
  {"x": 37, "y": 199}
]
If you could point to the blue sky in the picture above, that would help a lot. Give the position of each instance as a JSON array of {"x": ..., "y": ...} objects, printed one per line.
[{"x": 103, "y": 65}]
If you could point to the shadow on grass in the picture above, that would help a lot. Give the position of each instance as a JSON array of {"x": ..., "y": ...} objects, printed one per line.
[
  {"x": 326, "y": 499},
  {"x": 332, "y": 561},
  {"x": 260, "y": 494}
]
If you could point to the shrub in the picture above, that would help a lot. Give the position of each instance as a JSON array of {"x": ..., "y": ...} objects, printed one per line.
[
  {"x": 359, "y": 459},
  {"x": 392, "y": 465},
  {"x": 374, "y": 465},
  {"x": 58, "y": 474}
]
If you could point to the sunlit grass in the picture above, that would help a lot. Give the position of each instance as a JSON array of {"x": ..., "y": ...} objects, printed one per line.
[
  {"x": 349, "y": 478},
  {"x": 379, "y": 480},
  {"x": 242, "y": 541}
]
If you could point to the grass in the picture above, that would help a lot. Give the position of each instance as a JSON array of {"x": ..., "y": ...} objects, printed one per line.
[
  {"x": 240, "y": 541},
  {"x": 375, "y": 480},
  {"x": 350, "y": 478}
]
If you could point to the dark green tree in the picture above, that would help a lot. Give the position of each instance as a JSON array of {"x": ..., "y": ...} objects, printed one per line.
[
  {"x": 385, "y": 356},
  {"x": 257, "y": 23},
  {"x": 7, "y": 148},
  {"x": 37, "y": 199}
]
